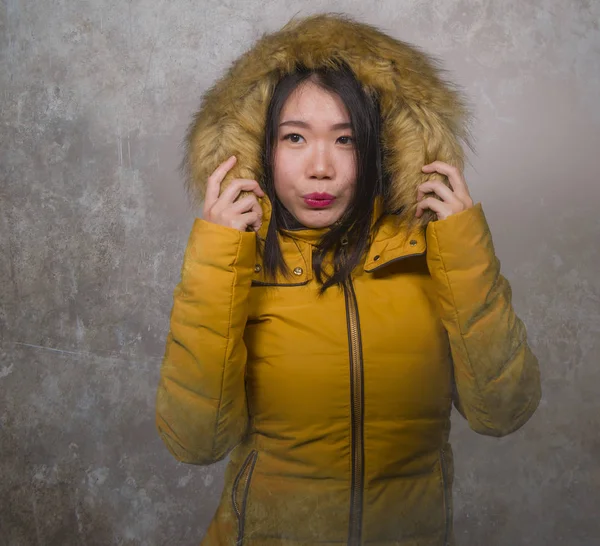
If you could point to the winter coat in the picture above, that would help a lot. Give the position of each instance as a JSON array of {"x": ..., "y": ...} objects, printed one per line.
[{"x": 335, "y": 409}]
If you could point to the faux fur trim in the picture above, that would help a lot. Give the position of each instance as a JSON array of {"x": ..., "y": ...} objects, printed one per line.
[{"x": 424, "y": 116}]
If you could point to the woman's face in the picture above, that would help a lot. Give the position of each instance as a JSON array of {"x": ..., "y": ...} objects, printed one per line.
[{"x": 314, "y": 162}]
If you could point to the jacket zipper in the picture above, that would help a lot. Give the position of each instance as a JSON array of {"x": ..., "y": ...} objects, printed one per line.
[
  {"x": 446, "y": 497},
  {"x": 244, "y": 475},
  {"x": 357, "y": 392}
]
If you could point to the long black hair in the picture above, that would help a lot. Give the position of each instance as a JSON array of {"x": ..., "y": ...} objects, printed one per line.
[{"x": 348, "y": 238}]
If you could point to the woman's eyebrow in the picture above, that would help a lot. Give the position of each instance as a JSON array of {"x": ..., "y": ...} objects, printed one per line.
[
  {"x": 295, "y": 123},
  {"x": 304, "y": 125}
]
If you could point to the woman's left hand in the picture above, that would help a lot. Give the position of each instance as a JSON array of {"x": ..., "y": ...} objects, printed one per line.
[{"x": 454, "y": 199}]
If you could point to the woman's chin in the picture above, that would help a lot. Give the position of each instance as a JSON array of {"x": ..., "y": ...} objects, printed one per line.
[{"x": 314, "y": 219}]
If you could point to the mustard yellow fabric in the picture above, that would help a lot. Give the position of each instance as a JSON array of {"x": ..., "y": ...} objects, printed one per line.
[
  {"x": 264, "y": 369},
  {"x": 260, "y": 369}
]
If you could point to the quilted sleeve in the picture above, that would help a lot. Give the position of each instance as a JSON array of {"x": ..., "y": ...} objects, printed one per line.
[
  {"x": 497, "y": 378},
  {"x": 201, "y": 410}
]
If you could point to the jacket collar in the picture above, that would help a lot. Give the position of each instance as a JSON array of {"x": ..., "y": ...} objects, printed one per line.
[{"x": 392, "y": 241}]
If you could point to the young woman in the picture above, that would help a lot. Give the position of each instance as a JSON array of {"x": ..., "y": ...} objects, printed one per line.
[{"x": 339, "y": 294}]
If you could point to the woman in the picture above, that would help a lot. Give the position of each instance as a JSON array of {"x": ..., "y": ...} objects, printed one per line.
[{"x": 337, "y": 297}]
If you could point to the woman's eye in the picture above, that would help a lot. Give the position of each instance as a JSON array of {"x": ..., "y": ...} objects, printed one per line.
[
  {"x": 345, "y": 140},
  {"x": 293, "y": 137}
]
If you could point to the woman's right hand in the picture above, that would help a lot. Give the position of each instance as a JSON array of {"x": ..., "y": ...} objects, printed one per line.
[{"x": 223, "y": 209}]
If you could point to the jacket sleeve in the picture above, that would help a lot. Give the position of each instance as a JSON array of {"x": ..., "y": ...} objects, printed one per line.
[
  {"x": 497, "y": 378},
  {"x": 201, "y": 411}
]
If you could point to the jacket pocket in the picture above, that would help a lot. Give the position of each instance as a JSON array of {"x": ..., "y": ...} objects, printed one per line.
[
  {"x": 239, "y": 493},
  {"x": 447, "y": 498}
]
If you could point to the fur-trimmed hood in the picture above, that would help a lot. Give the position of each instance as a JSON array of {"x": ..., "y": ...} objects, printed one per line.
[{"x": 424, "y": 117}]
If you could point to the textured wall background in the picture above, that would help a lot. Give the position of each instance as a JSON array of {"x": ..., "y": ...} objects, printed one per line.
[{"x": 95, "y": 98}]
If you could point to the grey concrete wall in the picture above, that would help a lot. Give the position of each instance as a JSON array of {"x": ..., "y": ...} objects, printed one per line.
[{"x": 94, "y": 100}]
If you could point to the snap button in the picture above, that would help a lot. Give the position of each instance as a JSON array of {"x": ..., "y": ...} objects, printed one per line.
[
  {"x": 257, "y": 268},
  {"x": 413, "y": 242},
  {"x": 375, "y": 258},
  {"x": 298, "y": 271}
]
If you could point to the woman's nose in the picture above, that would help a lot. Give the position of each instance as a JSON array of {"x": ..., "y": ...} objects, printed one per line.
[{"x": 321, "y": 163}]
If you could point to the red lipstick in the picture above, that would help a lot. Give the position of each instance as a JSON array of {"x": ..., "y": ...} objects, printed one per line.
[{"x": 319, "y": 200}]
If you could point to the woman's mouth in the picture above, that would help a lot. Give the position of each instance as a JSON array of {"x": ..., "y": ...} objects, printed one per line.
[{"x": 319, "y": 200}]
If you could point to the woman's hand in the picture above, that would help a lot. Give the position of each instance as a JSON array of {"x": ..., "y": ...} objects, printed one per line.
[
  {"x": 454, "y": 199},
  {"x": 224, "y": 209}
]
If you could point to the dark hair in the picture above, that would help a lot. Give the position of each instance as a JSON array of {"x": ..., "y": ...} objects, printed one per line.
[{"x": 348, "y": 238}]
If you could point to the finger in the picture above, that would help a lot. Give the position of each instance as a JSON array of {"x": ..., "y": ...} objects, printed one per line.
[
  {"x": 246, "y": 204},
  {"x": 213, "y": 186},
  {"x": 252, "y": 220},
  {"x": 431, "y": 203},
  {"x": 422, "y": 190},
  {"x": 437, "y": 187},
  {"x": 455, "y": 177},
  {"x": 258, "y": 215},
  {"x": 231, "y": 192}
]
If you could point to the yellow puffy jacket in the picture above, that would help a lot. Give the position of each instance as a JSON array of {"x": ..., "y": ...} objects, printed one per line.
[{"x": 335, "y": 409}]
